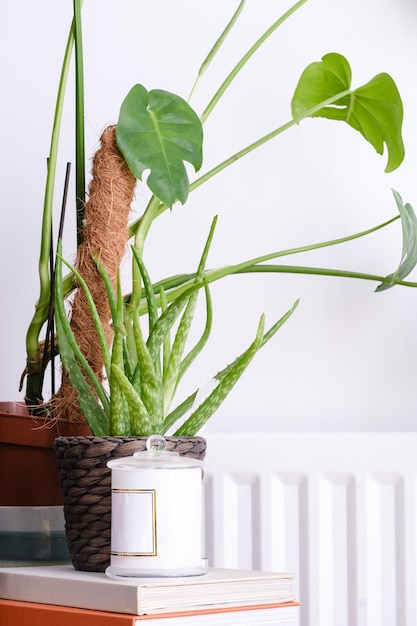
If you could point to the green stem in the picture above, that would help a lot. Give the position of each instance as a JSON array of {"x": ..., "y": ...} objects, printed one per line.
[
  {"x": 79, "y": 123},
  {"x": 158, "y": 208},
  {"x": 321, "y": 271},
  {"x": 256, "y": 144},
  {"x": 214, "y": 50},
  {"x": 33, "y": 363},
  {"x": 137, "y": 225},
  {"x": 151, "y": 212},
  {"x": 246, "y": 58},
  {"x": 212, "y": 276},
  {"x": 182, "y": 283}
]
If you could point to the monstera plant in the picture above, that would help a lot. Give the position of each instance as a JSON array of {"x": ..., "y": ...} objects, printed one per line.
[{"x": 124, "y": 351}]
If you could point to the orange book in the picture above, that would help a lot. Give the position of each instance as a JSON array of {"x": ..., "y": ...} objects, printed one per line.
[{"x": 14, "y": 613}]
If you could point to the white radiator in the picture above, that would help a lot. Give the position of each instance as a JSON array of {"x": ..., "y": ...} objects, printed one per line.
[{"x": 336, "y": 509}]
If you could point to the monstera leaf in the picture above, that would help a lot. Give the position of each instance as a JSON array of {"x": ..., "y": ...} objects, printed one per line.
[
  {"x": 158, "y": 131},
  {"x": 375, "y": 109}
]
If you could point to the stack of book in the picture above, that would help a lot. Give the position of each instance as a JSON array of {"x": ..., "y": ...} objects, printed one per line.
[{"x": 49, "y": 595}]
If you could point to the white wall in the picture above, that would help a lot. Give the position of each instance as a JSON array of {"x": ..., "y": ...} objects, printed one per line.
[{"x": 347, "y": 358}]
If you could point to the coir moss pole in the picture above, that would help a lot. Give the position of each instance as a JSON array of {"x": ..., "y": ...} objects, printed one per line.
[{"x": 105, "y": 234}]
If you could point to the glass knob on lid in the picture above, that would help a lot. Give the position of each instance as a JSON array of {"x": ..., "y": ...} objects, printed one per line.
[{"x": 156, "y": 444}]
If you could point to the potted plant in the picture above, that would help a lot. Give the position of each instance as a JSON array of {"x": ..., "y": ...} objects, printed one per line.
[{"x": 159, "y": 132}]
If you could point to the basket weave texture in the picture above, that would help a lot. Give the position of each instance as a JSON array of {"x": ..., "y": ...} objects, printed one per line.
[{"x": 86, "y": 488}]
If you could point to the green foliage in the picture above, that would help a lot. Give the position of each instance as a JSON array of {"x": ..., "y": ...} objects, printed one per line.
[
  {"x": 141, "y": 389},
  {"x": 128, "y": 408},
  {"x": 158, "y": 134},
  {"x": 375, "y": 109},
  {"x": 409, "y": 251},
  {"x": 158, "y": 130},
  {"x": 75, "y": 364}
]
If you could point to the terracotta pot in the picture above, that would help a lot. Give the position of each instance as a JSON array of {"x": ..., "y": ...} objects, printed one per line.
[{"x": 28, "y": 468}]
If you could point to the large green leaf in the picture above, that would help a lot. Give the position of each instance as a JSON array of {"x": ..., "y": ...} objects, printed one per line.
[
  {"x": 159, "y": 131},
  {"x": 375, "y": 109}
]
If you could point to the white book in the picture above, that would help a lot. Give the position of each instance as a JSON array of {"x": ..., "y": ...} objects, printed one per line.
[{"x": 218, "y": 588}]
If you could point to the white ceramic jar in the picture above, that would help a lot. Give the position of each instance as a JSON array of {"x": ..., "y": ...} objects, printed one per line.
[{"x": 156, "y": 519}]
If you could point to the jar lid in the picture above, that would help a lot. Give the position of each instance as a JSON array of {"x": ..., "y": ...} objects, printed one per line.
[{"x": 156, "y": 456}]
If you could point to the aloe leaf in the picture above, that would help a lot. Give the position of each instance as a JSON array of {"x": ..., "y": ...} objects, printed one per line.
[
  {"x": 149, "y": 292},
  {"x": 267, "y": 336},
  {"x": 130, "y": 356},
  {"x": 141, "y": 423},
  {"x": 71, "y": 355},
  {"x": 111, "y": 296},
  {"x": 142, "y": 351},
  {"x": 159, "y": 131},
  {"x": 166, "y": 344},
  {"x": 129, "y": 348},
  {"x": 409, "y": 251},
  {"x": 375, "y": 109},
  {"x": 181, "y": 336},
  {"x": 168, "y": 318},
  {"x": 192, "y": 355},
  {"x": 150, "y": 378},
  {"x": 227, "y": 378},
  {"x": 179, "y": 411},
  {"x": 95, "y": 416},
  {"x": 171, "y": 377},
  {"x": 60, "y": 309},
  {"x": 185, "y": 406},
  {"x": 206, "y": 409},
  {"x": 135, "y": 380},
  {"x": 95, "y": 317},
  {"x": 119, "y": 411}
]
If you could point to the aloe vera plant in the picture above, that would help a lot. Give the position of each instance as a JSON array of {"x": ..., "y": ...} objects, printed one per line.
[{"x": 158, "y": 133}]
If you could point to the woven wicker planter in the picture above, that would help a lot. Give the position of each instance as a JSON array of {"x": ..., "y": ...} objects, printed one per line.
[{"x": 86, "y": 488}]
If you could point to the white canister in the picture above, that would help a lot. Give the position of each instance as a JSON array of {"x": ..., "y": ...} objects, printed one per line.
[{"x": 156, "y": 513}]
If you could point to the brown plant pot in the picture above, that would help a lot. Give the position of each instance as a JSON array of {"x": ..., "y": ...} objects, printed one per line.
[
  {"x": 86, "y": 487},
  {"x": 28, "y": 469}
]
